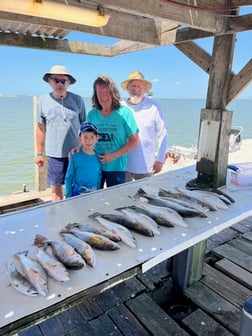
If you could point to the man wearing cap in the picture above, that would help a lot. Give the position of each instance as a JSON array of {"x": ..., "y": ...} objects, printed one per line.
[
  {"x": 60, "y": 114},
  {"x": 153, "y": 138}
]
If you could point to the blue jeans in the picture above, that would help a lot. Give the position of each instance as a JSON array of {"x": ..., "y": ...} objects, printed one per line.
[{"x": 112, "y": 178}]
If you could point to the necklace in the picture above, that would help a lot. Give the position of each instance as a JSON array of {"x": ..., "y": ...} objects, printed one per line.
[{"x": 63, "y": 109}]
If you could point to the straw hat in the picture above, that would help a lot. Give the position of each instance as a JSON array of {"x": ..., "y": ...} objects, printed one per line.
[
  {"x": 59, "y": 70},
  {"x": 136, "y": 75}
]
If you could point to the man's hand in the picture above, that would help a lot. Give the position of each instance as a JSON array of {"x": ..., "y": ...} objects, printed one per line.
[
  {"x": 39, "y": 161},
  {"x": 157, "y": 167}
]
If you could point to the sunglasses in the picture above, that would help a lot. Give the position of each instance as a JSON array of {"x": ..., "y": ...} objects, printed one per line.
[{"x": 57, "y": 80}]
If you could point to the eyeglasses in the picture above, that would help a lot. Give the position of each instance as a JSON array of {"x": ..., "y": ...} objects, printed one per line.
[{"x": 57, "y": 80}]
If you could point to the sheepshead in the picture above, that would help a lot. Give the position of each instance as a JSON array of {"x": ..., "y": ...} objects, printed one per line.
[
  {"x": 88, "y": 228},
  {"x": 213, "y": 202},
  {"x": 125, "y": 235},
  {"x": 83, "y": 248},
  {"x": 32, "y": 271},
  {"x": 54, "y": 268},
  {"x": 62, "y": 251},
  {"x": 142, "y": 222},
  {"x": 129, "y": 222},
  {"x": 18, "y": 281},
  {"x": 162, "y": 201},
  {"x": 169, "y": 214},
  {"x": 95, "y": 240}
]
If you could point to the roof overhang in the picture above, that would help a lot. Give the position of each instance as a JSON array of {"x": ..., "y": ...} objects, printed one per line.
[{"x": 133, "y": 25}]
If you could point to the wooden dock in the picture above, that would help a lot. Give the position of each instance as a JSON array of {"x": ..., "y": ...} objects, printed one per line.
[
  {"x": 149, "y": 304},
  {"x": 22, "y": 200}
]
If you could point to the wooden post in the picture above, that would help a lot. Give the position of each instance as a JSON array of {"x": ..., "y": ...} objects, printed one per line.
[
  {"x": 213, "y": 148},
  {"x": 40, "y": 172},
  {"x": 213, "y": 143},
  {"x": 215, "y": 124}
]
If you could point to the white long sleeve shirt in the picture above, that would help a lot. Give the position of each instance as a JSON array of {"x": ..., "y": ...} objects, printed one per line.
[{"x": 153, "y": 137}]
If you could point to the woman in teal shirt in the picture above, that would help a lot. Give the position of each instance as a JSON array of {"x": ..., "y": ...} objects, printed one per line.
[{"x": 117, "y": 129}]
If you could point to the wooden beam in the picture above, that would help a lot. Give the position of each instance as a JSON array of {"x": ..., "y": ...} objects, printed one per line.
[
  {"x": 241, "y": 3},
  {"x": 239, "y": 82},
  {"x": 196, "y": 54},
  {"x": 239, "y": 24},
  {"x": 200, "y": 19},
  {"x": 123, "y": 47},
  {"x": 122, "y": 26},
  {"x": 182, "y": 35},
  {"x": 220, "y": 73},
  {"x": 27, "y": 41}
]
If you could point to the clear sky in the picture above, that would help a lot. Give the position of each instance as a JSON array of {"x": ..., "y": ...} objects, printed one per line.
[{"x": 173, "y": 75}]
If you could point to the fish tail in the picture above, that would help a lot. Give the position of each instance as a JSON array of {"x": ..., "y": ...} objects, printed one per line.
[
  {"x": 63, "y": 231},
  {"x": 39, "y": 240},
  {"x": 22, "y": 253},
  {"x": 122, "y": 208},
  {"x": 140, "y": 191},
  {"x": 69, "y": 226}
]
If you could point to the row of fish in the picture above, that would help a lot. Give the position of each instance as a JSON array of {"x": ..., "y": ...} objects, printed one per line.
[{"x": 28, "y": 271}]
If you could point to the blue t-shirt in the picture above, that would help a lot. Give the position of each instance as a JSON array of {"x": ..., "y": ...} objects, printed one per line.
[
  {"x": 62, "y": 118},
  {"x": 83, "y": 174},
  {"x": 114, "y": 131}
]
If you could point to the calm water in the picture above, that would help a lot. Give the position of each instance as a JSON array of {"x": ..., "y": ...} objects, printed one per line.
[{"x": 17, "y": 134}]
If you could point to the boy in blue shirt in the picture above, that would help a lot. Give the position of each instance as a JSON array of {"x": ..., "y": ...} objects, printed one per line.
[{"x": 84, "y": 169}]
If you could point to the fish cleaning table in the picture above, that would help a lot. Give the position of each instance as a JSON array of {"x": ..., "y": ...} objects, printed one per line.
[{"x": 18, "y": 230}]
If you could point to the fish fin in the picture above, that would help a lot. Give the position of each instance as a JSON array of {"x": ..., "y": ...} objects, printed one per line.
[{"x": 94, "y": 215}]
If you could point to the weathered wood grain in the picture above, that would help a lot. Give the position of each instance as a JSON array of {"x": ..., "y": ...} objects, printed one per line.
[
  {"x": 153, "y": 317},
  {"x": 235, "y": 272},
  {"x": 233, "y": 254},
  {"x": 200, "y": 323},
  {"x": 126, "y": 321},
  {"x": 228, "y": 288},
  {"x": 215, "y": 305}
]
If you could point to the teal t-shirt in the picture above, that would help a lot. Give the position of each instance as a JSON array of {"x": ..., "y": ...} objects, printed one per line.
[{"x": 114, "y": 131}]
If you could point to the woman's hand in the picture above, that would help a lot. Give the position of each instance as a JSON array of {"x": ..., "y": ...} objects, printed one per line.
[{"x": 107, "y": 157}]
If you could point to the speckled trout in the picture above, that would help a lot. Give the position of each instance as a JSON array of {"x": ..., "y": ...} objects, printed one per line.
[
  {"x": 18, "y": 281},
  {"x": 62, "y": 251},
  {"x": 32, "y": 271},
  {"x": 83, "y": 248}
]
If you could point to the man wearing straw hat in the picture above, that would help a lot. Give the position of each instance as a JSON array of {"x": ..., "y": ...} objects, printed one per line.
[
  {"x": 60, "y": 114},
  {"x": 143, "y": 161}
]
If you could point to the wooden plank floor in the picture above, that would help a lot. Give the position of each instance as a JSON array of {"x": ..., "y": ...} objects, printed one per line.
[{"x": 148, "y": 304}]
